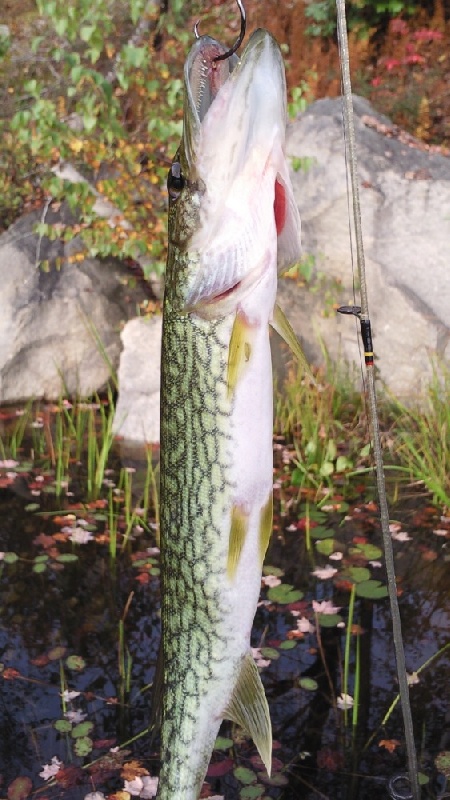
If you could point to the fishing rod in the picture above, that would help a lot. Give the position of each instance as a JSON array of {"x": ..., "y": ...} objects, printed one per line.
[{"x": 362, "y": 314}]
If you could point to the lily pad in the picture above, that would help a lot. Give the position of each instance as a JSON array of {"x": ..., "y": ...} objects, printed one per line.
[
  {"x": 370, "y": 551},
  {"x": 373, "y": 590},
  {"x": 284, "y": 594},
  {"x": 309, "y": 684},
  {"x": 77, "y": 663},
  {"x": 329, "y": 620},
  {"x": 83, "y": 746},
  {"x": 252, "y": 792},
  {"x": 63, "y": 725},
  {"x": 66, "y": 558},
  {"x": 270, "y": 652},
  {"x": 320, "y": 532},
  {"x": 358, "y": 574},
  {"x": 223, "y": 743},
  {"x": 325, "y": 546},
  {"x": 81, "y": 730},
  {"x": 289, "y": 644},
  {"x": 244, "y": 775},
  {"x": 442, "y": 762},
  {"x": 269, "y": 570},
  {"x": 20, "y": 788}
]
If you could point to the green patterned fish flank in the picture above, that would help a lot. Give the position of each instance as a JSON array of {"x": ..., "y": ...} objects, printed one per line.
[{"x": 232, "y": 223}]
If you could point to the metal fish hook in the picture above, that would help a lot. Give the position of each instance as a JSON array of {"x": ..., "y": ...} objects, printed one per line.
[
  {"x": 238, "y": 41},
  {"x": 240, "y": 38}
]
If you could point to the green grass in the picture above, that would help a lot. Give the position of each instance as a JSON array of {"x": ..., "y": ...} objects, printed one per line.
[
  {"x": 327, "y": 427},
  {"x": 422, "y": 435}
]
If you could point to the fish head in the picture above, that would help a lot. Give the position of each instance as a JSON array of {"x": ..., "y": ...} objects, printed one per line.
[{"x": 232, "y": 213}]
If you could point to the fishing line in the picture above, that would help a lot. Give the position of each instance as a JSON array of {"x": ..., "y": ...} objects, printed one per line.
[{"x": 362, "y": 313}]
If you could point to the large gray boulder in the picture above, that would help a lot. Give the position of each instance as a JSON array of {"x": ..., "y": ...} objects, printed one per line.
[
  {"x": 405, "y": 199},
  {"x": 137, "y": 410},
  {"x": 59, "y": 330}
]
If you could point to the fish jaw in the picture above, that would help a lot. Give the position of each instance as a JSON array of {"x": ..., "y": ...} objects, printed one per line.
[{"x": 234, "y": 151}]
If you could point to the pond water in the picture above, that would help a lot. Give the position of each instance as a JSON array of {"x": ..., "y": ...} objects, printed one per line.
[{"x": 79, "y": 633}]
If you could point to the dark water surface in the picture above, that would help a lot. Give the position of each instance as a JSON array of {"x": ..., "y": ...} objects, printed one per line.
[{"x": 106, "y": 613}]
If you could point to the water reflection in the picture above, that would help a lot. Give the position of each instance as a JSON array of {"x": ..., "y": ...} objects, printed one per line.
[{"x": 107, "y": 614}]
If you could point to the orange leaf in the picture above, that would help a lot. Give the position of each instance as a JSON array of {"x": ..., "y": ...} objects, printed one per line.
[
  {"x": 389, "y": 744},
  {"x": 132, "y": 769}
]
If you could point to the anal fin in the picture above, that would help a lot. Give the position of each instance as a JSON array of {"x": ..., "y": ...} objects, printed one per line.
[
  {"x": 283, "y": 327},
  {"x": 248, "y": 707}
]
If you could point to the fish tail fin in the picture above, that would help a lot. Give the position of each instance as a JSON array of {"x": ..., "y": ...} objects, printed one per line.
[{"x": 248, "y": 707}]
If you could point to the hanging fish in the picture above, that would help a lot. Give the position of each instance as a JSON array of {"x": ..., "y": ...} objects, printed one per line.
[{"x": 233, "y": 225}]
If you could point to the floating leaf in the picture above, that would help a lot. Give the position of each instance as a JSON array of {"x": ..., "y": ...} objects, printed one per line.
[
  {"x": 289, "y": 644},
  {"x": 223, "y": 743},
  {"x": 76, "y": 663},
  {"x": 219, "y": 768},
  {"x": 244, "y": 775},
  {"x": 329, "y": 620},
  {"x": 284, "y": 594},
  {"x": 40, "y": 559},
  {"x": 10, "y": 558},
  {"x": 56, "y": 653},
  {"x": 442, "y": 762},
  {"x": 249, "y": 792},
  {"x": 270, "y": 652},
  {"x": 66, "y": 558},
  {"x": 63, "y": 725},
  {"x": 83, "y": 746},
  {"x": 269, "y": 570},
  {"x": 31, "y": 506},
  {"x": 358, "y": 574},
  {"x": 309, "y": 684},
  {"x": 370, "y": 551},
  {"x": 325, "y": 546},
  {"x": 320, "y": 532},
  {"x": 373, "y": 590},
  {"x": 39, "y": 567},
  {"x": 20, "y": 788},
  {"x": 82, "y": 729}
]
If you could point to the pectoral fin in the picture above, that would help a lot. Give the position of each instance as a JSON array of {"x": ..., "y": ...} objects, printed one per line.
[
  {"x": 283, "y": 327},
  {"x": 248, "y": 708}
]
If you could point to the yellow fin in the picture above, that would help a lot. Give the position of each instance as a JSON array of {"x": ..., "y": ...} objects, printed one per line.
[
  {"x": 248, "y": 708},
  {"x": 238, "y": 532},
  {"x": 283, "y": 327},
  {"x": 265, "y": 527},
  {"x": 239, "y": 352}
]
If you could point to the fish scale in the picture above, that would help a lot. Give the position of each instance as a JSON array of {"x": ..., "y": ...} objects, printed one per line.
[{"x": 193, "y": 499}]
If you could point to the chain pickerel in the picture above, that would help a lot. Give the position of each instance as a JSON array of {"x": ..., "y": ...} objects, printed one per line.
[{"x": 233, "y": 225}]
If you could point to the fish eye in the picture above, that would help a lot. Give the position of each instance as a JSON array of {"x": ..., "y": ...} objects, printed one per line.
[{"x": 175, "y": 180}]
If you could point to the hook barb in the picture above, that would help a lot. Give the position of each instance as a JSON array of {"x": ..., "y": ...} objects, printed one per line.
[{"x": 240, "y": 38}]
